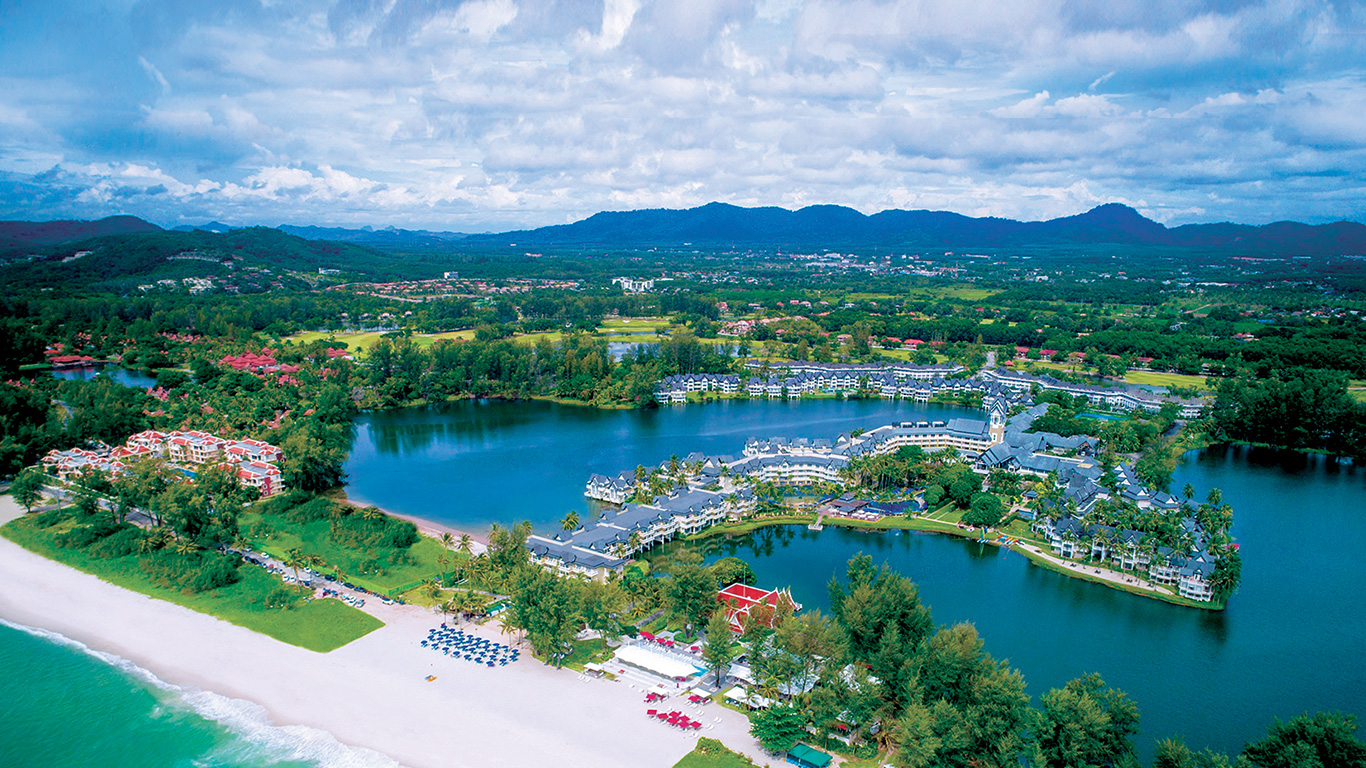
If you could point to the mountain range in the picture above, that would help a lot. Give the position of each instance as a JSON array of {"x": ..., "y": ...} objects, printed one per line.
[
  {"x": 15, "y": 234},
  {"x": 813, "y": 227},
  {"x": 817, "y": 226}
]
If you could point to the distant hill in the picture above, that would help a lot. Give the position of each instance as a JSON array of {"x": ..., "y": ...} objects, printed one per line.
[
  {"x": 116, "y": 262},
  {"x": 389, "y": 236},
  {"x": 830, "y": 226},
  {"x": 16, "y": 234}
]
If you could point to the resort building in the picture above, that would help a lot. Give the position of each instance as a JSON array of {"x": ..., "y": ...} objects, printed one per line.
[
  {"x": 252, "y": 461},
  {"x": 613, "y": 490},
  {"x": 740, "y": 600}
]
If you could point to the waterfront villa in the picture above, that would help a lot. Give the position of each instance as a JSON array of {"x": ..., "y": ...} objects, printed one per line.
[{"x": 595, "y": 550}]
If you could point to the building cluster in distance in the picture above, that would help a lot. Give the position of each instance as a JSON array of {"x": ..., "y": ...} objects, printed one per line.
[
  {"x": 255, "y": 463},
  {"x": 906, "y": 382}
]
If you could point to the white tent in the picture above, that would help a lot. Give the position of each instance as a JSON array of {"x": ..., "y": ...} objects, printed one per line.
[{"x": 657, "y": 663}]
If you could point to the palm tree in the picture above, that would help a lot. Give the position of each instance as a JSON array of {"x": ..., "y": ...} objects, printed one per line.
[
  {"x": 431, "y": 589},
  {"x": 570, "y": 521},
  {"x": 443, "y": 561},
  {"x": 1188, "y": 491},
  {"x": 479, "y": 566},
  {"x": 634, "y": 541},
  {"x": 449, "y": 608},
  {"x": 185, "y": 547},
  {"x": 371, "y": 513},
  {"x": 295, "y": 559},
  {"x": 1215, "y": 498},
  {"x": 466, "y": 543},
  {"x": 447, "y": 540}
]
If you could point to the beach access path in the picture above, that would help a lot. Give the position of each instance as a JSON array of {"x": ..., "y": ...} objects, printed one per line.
[{"x": 372, "y": 693}]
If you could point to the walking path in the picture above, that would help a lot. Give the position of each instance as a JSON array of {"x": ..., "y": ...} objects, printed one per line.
[{"x": 1100, "y": 573}]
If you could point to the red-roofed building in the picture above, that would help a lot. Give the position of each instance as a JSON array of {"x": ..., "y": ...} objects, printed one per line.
[{"x": 740, "y": 599}]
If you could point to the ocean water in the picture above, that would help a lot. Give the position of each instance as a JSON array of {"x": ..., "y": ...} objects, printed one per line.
[{"x": 64, "y": 704}]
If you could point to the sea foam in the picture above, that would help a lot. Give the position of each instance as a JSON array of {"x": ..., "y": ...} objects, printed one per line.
[{"x": 259, "y": 742}]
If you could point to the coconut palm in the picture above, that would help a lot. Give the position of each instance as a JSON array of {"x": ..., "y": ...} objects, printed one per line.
[
  {"x": 466, "y": 543},
  {"x": 294, "y": 560},
  {"x": 185, "y": 547},
  {"x": 1188, "y": 491},
  {"x": 570, "y": 521},
  {"x": 447, "y": 540}
]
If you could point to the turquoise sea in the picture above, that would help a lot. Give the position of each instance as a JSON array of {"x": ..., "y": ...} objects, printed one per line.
[{"x": 65, "y": 705}]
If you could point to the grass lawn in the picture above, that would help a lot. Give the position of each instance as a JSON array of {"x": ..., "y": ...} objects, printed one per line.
[
  {"x": 359, "y": 342},
  {"x": 906, "y": 354},
  {"x": 586, "y": 651},
  {"x": 964, "y": 292},
  {"x": 321, "y": 625},
  {"x": 1144, "y": 378},
  {"x": 1155, "y": 379},
  {"x": 1357, "y": 389},
  {"x": 314, "y": 539},
  {"x": 710, "y": 753},
  {"x": 627, "y": 324},
  {"x": 535, "y": 338}
]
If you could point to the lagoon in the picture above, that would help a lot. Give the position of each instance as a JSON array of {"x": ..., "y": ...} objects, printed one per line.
[
  {"x": 1289, "y": 641},
  {"x": 123, "y": 376}
]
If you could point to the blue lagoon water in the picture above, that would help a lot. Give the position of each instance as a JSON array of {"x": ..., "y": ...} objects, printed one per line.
[
  {"x": 1290, "y": 641},
  {"x": 123, "y": 376},
  {"x": 472, "y": 463}
]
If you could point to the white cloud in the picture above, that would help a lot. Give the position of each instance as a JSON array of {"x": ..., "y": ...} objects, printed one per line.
[{"x": 509, "y": 113}]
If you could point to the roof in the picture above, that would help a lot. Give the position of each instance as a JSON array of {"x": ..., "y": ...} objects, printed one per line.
[
  {"x": 658, "y": 663},
  {"x": 810, "y": 756}
]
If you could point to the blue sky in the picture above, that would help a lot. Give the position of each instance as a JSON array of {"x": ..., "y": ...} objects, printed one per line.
[{"x": 496, "y": 114}]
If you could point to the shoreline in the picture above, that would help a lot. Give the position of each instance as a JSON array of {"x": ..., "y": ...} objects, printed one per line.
[
  {"x": 371, "y": 693},
  {"x": 424, "y": 526},
  {"x": 1041, "y": 559}
]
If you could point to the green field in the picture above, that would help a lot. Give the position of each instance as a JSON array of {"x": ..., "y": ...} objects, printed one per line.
[
  {"x": 1155, "y": 379},
  {"x": 1143, "y": 378},
  {"x": 320, "y": 625},
  {"x": 710, "y": 753},
  {"x": 964, "y": 292},
  {"x": 313, "y": 539},
  {"x": 359, "y": 342}
]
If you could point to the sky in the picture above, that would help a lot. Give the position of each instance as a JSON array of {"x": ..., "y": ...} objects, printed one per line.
[{"x": 490, "y": 115}]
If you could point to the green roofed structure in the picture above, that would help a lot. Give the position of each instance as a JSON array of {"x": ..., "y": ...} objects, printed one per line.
[{"x": 805, "y": 756}]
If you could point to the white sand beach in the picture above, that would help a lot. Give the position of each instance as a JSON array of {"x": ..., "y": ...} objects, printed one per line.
[{"x": 371, "y": 693}]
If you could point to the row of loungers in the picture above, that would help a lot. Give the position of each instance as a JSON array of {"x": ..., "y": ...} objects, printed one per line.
[{"x": 454, "y": 642}]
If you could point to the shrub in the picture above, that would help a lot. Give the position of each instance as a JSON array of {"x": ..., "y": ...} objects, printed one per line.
[
  {"x": 217, "y": 571},
  {"x": 83, "y": 536},
  {"x": 50, "y": 518},
  {"x": 121, "y": 543},
  {"x": 281, "y": 598},
  {"x": 401, "y": 535}
]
